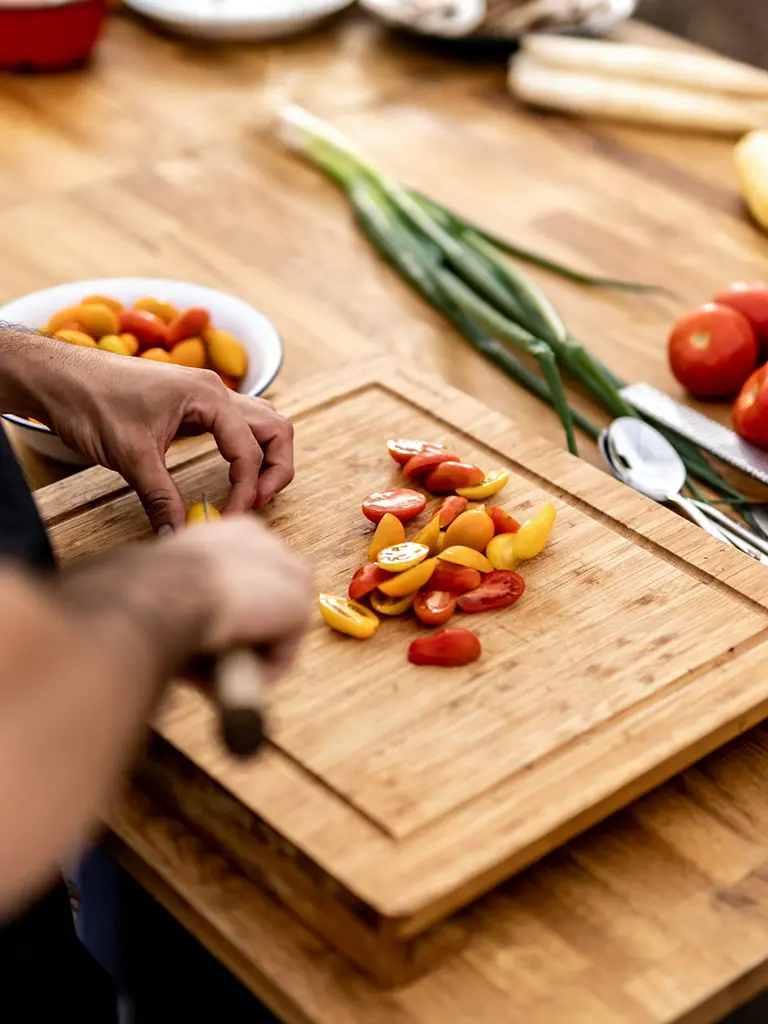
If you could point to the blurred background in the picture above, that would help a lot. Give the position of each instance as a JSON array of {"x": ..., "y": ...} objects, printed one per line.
[{"x": 735, "y": 28}]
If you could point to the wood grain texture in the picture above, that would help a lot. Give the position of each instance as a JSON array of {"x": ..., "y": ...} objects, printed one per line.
[
  {"x": 158, "y": 159},
  {"x": 636, "y": 649}
]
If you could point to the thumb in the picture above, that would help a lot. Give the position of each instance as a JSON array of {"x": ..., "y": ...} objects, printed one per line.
[{"x": 158, "y": 493}]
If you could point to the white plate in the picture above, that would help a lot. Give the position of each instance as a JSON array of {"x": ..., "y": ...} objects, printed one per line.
[
  {"x": 237, "y": 20},
  {"x": 257, "y": 334}
]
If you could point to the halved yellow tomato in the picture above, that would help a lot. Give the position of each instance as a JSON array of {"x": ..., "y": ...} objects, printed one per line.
[
  {"x": 347, "y": 616},
  {"x": 471, "y": 529},
  {"x": 531, "y": 538},
  {"x": 491, "y": 484},
  {"x": 390, "y": 531},
  {"x": 197, "y": 513},
  {"x": 430, "y": 535},
  {"x": 402, "y": 557},
  {"x": 461, "y": 555},
  {"x": 391, "y": 605},
  {"x": 411, "y": 581},
  {"x": 501, "y": 552}
]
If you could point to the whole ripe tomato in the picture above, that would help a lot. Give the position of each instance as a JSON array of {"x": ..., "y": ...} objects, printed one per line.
[
  {"x": 750, "y": 410},
  {"x": 449, "y": 649},
  {"x": 402, "y": 503},
  {"x": 751, "y": 300},
  {"x": 499, "y": 589},
  {"x": 434, "y": 607},
  {"x": 712, "y": 351}
]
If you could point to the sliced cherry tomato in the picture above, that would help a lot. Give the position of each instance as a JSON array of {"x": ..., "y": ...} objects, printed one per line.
[
  {"x": 499, "y": 589},
  {"x": 389, "y": 532},
  {"x": 410, "y": 581},
  {"x": 712, "y": 351},
  {"x": 449, "y": 649},
  {"x": 421, "y": 465},
  {"x": 491, "y": 483},
  {"x": 366, "y": 579},
  {"x": 751, "y": 300},
  {"x": 501, "y": 551},
  {"x": 458, "y": 579},
  {"x": 434, "y": 607},
  {"x": 750, "y": 410},
  {"x": 532, "y": 537},
  {"x": 391, "y": 605},
  {"x": 402, "y": 503},
  {"x": 347, "y": 616},
  {"x": 449, "y": 476},
  {"x": 466, "y": 556},
  {"x": 503, "y": 521},
  {"x": 449, "y": 508},
  {"x": 402, "y": 557},
  {"x": 472, "y": 529},
  {"x": 404, "y": 449},
  {"x": 430, "y": 536}
]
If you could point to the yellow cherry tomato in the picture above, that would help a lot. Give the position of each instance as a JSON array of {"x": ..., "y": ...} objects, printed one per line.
[
  {"x": 492, "y": 484},
  {"x": 390, "y": 531},
  {"x": 391, "y": 605},
  {"x": 196, "y": 513},
  {"x": 347, "y": 616},
  {"x": 472, "y": 529},
  {"x": 402, "y": 557},
  {"x": 430, "y": 535},
  {"x": 460, "y": 555},
  {"x": 531, "y": 538},
  {"x": 410, "y": 581},
  {"x": 501, "y": 552}
]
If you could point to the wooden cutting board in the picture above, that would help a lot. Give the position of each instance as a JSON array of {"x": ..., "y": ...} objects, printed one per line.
[{"x": 392, "y": 795}]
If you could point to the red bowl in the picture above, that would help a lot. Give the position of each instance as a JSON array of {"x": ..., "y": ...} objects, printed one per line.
[{"x": 49, "y": 38}]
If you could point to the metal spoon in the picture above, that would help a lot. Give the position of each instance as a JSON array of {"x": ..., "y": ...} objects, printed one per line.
[{"x": 642, "y": 458}]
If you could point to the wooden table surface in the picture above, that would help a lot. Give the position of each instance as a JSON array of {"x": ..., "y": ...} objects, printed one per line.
[{"x": 159, "y": 160}]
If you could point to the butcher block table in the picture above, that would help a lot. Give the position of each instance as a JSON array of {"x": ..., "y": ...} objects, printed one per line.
[{"x": 160, "y": 160}]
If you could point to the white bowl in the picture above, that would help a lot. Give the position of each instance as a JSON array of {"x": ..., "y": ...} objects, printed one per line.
[
  {"x": 258, "y": 336},
  {"x": 237, "y": 20}
]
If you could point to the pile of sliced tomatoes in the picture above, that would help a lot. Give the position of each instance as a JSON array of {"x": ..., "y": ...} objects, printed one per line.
[{"x": 464, "y": 559}]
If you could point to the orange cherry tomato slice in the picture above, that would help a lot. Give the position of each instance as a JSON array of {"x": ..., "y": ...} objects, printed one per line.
[
  {"x": 472, "y": 529},
  {"x": 450, "y": 648},
  {"x": 434, "y": 607},
  {"x": 410, "y": 581},
  {"x": 430, "y": 536},
  {"x": 458, "y": 579},
  {"x": 389, "y": 532},
  {"x": 424, "y": 463},
  {"x": 461, "y": 555},
  {"x": 401, "y": 503},
  {"x": 449, "y": 476},
  {"x": 404, "y": 449},
  {"x": 503, "y": 521},
  {"x": 499, "y": 589},
  {"x": 390, "y": 605},
  {"x": 367, "y": 578},
  {"x": 451, "y": 507}
]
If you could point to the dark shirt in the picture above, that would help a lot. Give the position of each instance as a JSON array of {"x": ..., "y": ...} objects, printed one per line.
[{"x": 46, "y": 974}]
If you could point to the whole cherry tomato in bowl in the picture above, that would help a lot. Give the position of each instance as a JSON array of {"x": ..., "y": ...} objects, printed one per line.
[
  {"x": 712, "y": 351},
  {"x": 750, "y": 298},
  {"x": 750, "y": 410}
]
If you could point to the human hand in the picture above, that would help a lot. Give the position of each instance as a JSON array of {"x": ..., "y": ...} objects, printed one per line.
[{"x": 124, "y": 413}]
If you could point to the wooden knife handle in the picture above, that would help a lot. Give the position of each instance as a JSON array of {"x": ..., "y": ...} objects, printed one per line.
[{"x": 239, "y": 688}]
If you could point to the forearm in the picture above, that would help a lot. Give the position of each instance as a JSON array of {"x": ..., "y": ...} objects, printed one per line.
[{"x": 82, "y": 662}]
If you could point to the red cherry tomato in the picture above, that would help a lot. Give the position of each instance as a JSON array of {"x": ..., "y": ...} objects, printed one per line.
[
  {"x": 503, "y": 521},
  {"x": 434, "y": 607},
  {"x": 450, "y": 475},
  {"x": 449, "y": 508},
  {"x": 367, "y": 578},
  {"x": 149, "y": 330},
  {"x": 499, "y": 589},
  {"x": 712, "y": 351},
  {"x": 449, "y": 649},
  {"x": 750, "y": 410},
  {"x": 751, "y": 300},
  {"x": 402, "y": 503},
  {"x": 420, "y": 465},
  {"x": 192, "y": 323},
  {"x": 458, "y": 579},
  {"x": 403, "y": 449}
]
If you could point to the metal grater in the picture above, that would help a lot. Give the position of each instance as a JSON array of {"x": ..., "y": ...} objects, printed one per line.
[{"x": 696, "y": 427}]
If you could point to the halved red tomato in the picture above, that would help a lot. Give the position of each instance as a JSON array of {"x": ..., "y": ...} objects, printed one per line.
[
  {"x": 499, "y": 589},
  {"x": 403, "y": 449},
  {"x": 434, "y": 607},
  {"x": 402, "y": 503},
  {"x": 450, "y": 475},
  {"x": 449, "y": 508},
  {"x": 449, "y": 649},
  {"x": 366, "y": 579},
  {"x": 458, "y": 579},
  {"x": 503, "y": 521},
  {"x": 420, "y": 465}
]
